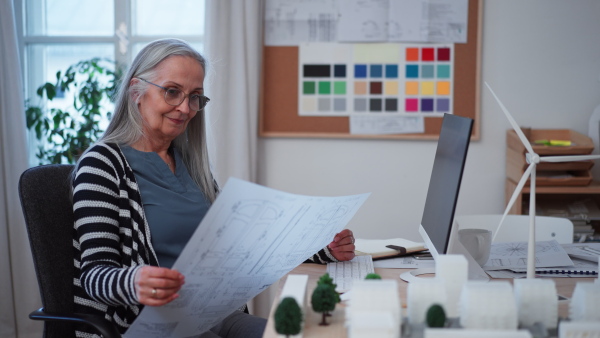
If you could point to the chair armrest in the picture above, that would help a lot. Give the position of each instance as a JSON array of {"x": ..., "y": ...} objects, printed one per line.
[{"x": 104, "y": 327}]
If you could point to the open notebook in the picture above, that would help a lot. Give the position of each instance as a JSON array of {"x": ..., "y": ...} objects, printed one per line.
[{"x": 387, "y": 248}]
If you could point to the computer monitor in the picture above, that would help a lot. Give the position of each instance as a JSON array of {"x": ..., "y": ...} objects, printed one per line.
[{"x": 437, "y": 225}]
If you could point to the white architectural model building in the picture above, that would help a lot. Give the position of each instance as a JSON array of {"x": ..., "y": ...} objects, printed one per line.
[
  {"x": 579, "y": 329},
  {"x": 585, "y": 303},
  {"x": 453, "y": 271},
  {"x": 488, "y": 306},
  {"x": 374, "y": 309},
  {"x": 536, "y": 302},
  {"x": 462, "y": 333},
  {"x": 421, "y": 294}
]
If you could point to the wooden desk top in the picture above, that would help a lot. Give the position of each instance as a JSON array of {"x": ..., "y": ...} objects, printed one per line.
[{"x": 564, "y": 287}]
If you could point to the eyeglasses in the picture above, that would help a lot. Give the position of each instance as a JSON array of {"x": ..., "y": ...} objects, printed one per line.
[{"x": 174, "y": 97}]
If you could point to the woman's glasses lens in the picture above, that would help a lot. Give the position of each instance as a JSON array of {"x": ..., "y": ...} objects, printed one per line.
[{"x": 174, "y": 97}]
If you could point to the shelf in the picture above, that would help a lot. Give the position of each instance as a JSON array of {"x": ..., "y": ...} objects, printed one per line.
[{"x": 592, "y": 190}]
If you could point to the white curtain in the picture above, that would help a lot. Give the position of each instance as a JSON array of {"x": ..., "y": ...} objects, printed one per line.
[
  {"x": 19, "y": 293},
  {"x": 233, "y": 48}
]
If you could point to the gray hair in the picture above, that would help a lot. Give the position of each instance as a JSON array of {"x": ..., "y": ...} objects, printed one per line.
[{"x": 126, "y": 125}]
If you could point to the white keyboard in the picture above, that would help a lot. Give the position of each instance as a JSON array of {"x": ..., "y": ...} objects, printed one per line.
[{"x": 345, "y": 273}]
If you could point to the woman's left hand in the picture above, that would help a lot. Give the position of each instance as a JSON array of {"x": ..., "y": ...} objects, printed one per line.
[{"x": 342, "y": 247}]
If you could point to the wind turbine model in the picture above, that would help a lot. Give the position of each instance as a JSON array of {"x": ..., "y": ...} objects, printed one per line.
[{"x": 533, "y": 159}]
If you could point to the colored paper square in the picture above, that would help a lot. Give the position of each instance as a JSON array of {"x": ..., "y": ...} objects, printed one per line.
[
  {"x": 427, "y": 71},
  {"x": 411, "y": 105},
  {"x": 412, "y": 71},
  {"x": 443, "y": 105},
  {"x": 339, "y": 104},
  {"x": 412, "y": 54},
  {"x": 324, "y": 104},
  {"x": 427, "y": 88},
  {"x": 360, "y": 88},
  {"x": 375, "y": 105},
  {"x": 376, "y": 71},
  {"x": 317, "y": 70},
  {"x": 391, "y": 71},
  {"x": 339, "y": 70},
  {"x": 443, "y": 54},
  {"x": 412, "y": 88},
  {"x": 324, "y": 87},
  {"x": 426, "y": 105},
  {"x": 443, "y": 88},
  {"x": 360, "y": 71},
  {"x": 376, "y": 87},
  {"x": 309, "y": 104},
  {"x": 309, "y": 87},
  {"x": 428, "y": 54},
  {"x": 390, "y": 88},
  {"x": 443, "y": 71},
  {"x": 360, "y": 105},
  {"x": 339, "y": 87},
  {"x": 391, "y": 104}
]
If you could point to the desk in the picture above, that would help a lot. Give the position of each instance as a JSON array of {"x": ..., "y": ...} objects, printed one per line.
[{"x": 564, "y": 286}]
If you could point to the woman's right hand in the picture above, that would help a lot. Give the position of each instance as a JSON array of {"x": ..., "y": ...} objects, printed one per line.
[{"x": 156, "y": 286}]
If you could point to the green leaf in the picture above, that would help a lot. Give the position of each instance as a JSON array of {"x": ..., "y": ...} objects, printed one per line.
[{"x": 50, "y": 91}]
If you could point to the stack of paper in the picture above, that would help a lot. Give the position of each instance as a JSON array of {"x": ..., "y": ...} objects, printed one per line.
[{"x": 509, "y": 260}]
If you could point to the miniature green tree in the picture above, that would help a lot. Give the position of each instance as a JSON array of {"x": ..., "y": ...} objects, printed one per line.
[
  {"x": 436, "y": 316},
  {"x": 323, "y": 300},
  {"x": 288, "y": 317},
  {"x": 327, "y": 280},
  {"x": 372, "y": 276}
]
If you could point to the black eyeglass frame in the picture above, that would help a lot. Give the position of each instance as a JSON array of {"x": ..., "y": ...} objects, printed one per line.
[{"x": 203, "y": 99}]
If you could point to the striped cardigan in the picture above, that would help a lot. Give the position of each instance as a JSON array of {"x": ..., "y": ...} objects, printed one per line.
[{"x": 112, "y": 238}]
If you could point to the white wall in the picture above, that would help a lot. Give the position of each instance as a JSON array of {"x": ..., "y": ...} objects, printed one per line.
[{"x": 541, "y": 57}]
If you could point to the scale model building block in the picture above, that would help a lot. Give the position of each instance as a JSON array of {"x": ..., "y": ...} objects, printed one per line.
[
  {"x": 453, "y": 271},
  {"x": 579, "y": 329},
  {"x": 585, "y": 303},
  {"x": 421, "y": 294},
  {"x": 371, "y": 299},
  {"x": 488, "y": 306},
  {"x": 536, "y": 302}
]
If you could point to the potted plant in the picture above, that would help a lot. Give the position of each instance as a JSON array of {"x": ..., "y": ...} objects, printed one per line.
[{"x": 65, "y": 133}]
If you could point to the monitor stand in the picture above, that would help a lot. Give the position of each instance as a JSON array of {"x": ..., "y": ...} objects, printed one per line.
[{"x": 475, "y": 272}]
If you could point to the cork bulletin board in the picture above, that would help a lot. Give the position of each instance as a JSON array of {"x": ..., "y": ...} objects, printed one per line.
[{"x": 280, "y": 87}]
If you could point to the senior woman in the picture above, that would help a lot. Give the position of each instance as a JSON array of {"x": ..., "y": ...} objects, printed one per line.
[{"x": 142, "y": 189}]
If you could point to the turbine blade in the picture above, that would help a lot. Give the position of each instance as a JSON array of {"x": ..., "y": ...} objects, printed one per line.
[
  {"x": 513, "y": 123},
  {"x": 568, "y": 158},
  {"x": 514, "y": 196}
]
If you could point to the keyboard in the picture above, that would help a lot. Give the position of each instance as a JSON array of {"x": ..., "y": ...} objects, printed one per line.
[{"x": 345, "y": 273}]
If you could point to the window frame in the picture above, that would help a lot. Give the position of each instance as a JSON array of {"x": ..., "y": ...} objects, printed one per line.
[{"x": 122, "y": 39}]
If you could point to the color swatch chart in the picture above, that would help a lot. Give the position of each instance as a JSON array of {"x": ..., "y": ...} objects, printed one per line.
[{"x": 387, "y": 78}]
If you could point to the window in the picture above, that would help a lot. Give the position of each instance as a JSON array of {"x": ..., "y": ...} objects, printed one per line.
[{"x": 55, "y": 34}]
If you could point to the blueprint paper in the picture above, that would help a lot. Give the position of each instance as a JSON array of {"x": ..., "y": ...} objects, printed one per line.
[
  {"x": 513, "y": 255},
  {"x": 250, "y": 238}
]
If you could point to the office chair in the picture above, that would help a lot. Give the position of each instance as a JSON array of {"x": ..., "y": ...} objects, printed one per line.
[
  {"x": 516, "y": 227},
  {"x": 44, "y": 192}
]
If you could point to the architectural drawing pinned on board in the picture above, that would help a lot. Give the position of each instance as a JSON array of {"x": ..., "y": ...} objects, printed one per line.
[
  {"x": 292, "y": 22},
  {"x": 403, "y": 21},
  {"x": 250, "y": 238}
]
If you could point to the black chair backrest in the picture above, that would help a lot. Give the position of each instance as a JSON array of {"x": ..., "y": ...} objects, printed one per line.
[{"x": 45, "y": 198}]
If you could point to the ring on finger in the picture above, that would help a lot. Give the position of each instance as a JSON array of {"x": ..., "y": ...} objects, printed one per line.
[{"x": 154, "y": 292}]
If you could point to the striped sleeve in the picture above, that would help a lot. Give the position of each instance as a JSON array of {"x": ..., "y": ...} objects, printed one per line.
[
  {"x": 96, "y": 209},
  {"x": 324, "y": 256}
]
